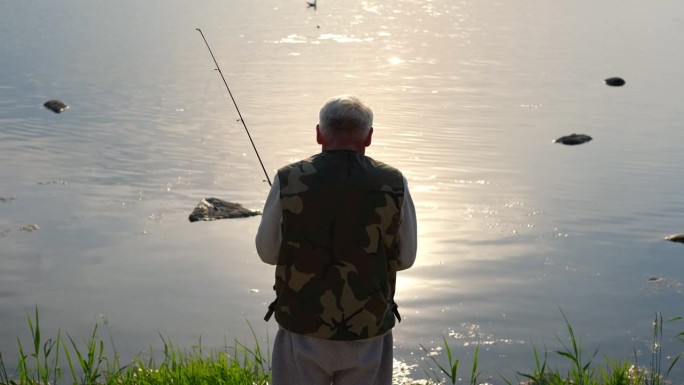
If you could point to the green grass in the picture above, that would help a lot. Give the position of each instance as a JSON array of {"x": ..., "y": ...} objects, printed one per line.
[
  {"x": 583, "y": 370},
  {"x": 87, "y": 364},
  {"x": 62, "y": 360}
]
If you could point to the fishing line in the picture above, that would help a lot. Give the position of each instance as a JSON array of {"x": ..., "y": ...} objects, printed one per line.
[{"x": 236, "y": 106}]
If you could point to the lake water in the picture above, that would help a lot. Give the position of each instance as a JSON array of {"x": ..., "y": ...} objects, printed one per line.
[{"x": 468, "y": 96}]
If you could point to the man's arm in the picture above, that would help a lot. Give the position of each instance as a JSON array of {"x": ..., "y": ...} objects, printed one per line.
[
  {"x": 408, "y": 231},
  {"x": 269, "y": 234}
]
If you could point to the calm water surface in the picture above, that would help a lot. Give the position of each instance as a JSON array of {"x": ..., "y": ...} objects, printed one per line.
[{"x": 468, "y": 96}]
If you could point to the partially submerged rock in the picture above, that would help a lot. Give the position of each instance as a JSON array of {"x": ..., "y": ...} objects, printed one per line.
[
  {"x": 573, "y": 139},
  {"x": 29, "y": 228},
  {"x": 56, "y": 106},
  {"x": 615, "y": 82},
  {"x": 675, "y": 238},
  {"x": 210, "y": 209},
  {"x": 663, "y": 282}
]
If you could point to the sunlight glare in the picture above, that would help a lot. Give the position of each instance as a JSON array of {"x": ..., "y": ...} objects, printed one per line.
[{"x": 396, "y": 60}]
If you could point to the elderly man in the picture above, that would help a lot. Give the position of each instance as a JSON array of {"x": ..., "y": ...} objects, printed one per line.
[{"x": 337, "y": 226}]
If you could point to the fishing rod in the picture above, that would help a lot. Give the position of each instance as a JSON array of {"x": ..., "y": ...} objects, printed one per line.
[{"x": 236, "y": 106}]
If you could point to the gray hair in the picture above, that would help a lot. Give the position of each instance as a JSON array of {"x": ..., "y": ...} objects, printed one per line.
[{"x": 345, "y": 116}]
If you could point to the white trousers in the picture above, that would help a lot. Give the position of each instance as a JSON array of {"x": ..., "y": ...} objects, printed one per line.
[{"x": 303, "y": 360}]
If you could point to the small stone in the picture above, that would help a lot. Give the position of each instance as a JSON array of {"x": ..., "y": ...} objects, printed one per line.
[
  {"x": 615, "y": 82},
  {"x": 30, "y": 228},
  {"x": 675, "y": 238},
  {"x": 210, "y": 209},
  {"x": 573, "y": 139},
  {"x": 56, "y": 106}
]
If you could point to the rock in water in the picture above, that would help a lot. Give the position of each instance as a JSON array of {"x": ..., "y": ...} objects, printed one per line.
[
  {"x": 30, "y": 228},
  {"x": 56, "y": 106},
  {"x": 573, "y": 139},
  {"x": 675, "y": 238},
  {"x": 210, "y": 209},
  {"x": 615, "y": 82}
]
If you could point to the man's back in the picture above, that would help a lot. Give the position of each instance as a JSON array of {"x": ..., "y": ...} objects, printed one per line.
[
  {"x": 338, "y": 259},
  {"x": 338, "y": 226}
]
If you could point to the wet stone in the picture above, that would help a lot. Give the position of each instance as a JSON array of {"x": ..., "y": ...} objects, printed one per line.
[
  {"x": 29, "y": 228},
  {"x": 56, "y": 106},
  {"x": 675, "y": 238},
  {"x": 573, "y": 139},
  {"x": 663, "y": 282},
  {"x": 210, "y": 209},
  {"x": 615, "y": 82}
]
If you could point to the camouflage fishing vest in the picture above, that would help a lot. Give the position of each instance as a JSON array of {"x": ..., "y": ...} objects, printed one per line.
[{"x": 336, "y": 271}]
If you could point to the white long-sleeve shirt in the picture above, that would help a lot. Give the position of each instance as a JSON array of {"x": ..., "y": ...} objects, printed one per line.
[{"x": 269, "y": 235}]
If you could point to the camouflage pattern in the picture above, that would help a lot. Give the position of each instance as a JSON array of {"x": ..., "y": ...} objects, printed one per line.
[{"x": 336, "y": 270}]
